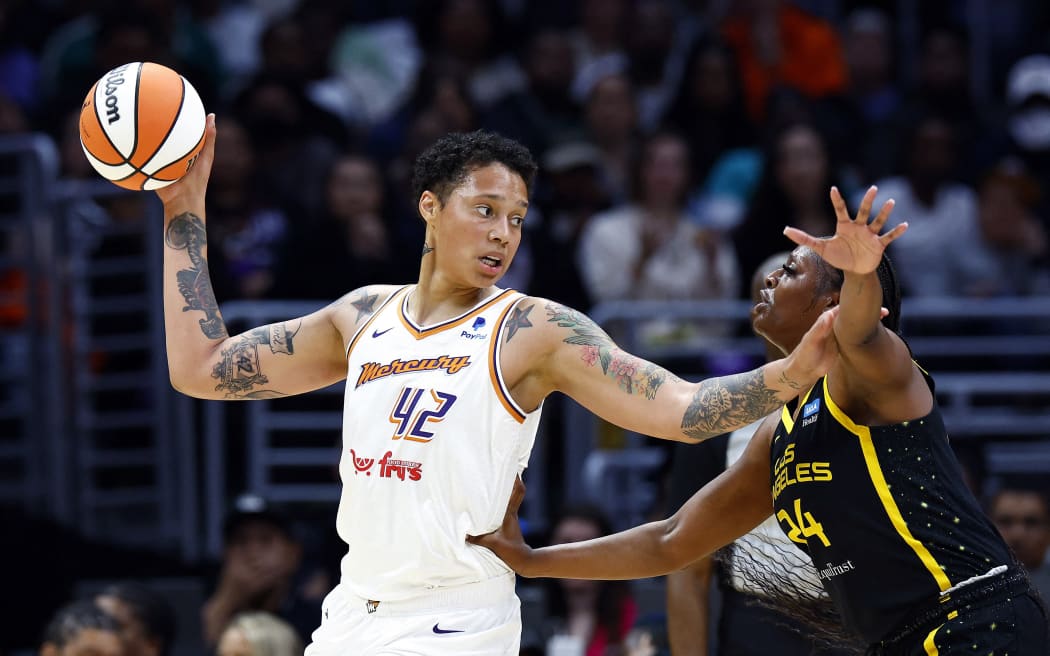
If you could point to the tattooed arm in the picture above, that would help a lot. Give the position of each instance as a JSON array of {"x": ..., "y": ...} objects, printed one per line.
[
  {"x": 578, "y": 358},
  {"x": 203, "y": 360}
]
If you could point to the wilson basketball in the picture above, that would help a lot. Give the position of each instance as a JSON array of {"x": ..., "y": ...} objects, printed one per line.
[{"x": 142, "y": 126}]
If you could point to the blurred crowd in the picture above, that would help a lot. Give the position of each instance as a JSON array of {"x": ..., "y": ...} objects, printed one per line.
[
  {"x": 675, "y": 138},
  {"x": 672, "y": 134}
]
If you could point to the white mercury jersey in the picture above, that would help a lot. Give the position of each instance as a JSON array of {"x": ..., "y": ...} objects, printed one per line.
[{"x": 432, "y": 442}]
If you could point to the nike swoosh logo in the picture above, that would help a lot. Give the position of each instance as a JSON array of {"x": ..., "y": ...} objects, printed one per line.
[
  {"x": 439, "y": 630},
  {"x": 377, "y": 333}
]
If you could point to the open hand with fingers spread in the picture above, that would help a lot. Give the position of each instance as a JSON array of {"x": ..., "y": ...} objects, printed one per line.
[{"x": 856, "y": 246}]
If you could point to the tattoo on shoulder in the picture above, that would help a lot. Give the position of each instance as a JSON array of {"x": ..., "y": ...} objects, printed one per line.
[
  {"x": 427, "y": 249},
  {"x": 364, "y": 302},
  {"x": 634, "y": 375},
  {"x": 721, "y": 404},
  {"x": 519, "y": 319},
  {"x": 239, "y": 369},
  {"x": 186, "y": 232}
]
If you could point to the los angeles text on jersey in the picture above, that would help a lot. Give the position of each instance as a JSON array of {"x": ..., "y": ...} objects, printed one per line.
[
  {"x": 374, "y": 371},
  {"x": 787, "y": 472}
]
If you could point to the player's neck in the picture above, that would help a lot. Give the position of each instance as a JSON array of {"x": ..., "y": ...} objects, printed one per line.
[{"x": 435, "y": 300}]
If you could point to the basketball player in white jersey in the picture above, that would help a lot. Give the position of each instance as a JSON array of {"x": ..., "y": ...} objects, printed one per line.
[{"x": 444, "y": 384}]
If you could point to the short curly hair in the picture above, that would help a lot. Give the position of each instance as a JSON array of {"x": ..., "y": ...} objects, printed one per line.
[{"x": 449, "y": 160}]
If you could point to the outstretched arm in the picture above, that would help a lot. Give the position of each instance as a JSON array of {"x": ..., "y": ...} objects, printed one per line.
[
  {"x": 875, "y": 364},
  {"x": 721, "y": 511},
  {"x": 203, "y": 360},
  {"x": 571, "y": 354}
]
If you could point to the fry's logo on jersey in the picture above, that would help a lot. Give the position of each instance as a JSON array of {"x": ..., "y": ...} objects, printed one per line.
[
  {"x": 374, "y": 371},
  {"x": 388, "y": 467}
]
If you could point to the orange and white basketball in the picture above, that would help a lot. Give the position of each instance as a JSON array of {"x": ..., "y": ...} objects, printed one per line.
[{"x": 142, "y": 126}]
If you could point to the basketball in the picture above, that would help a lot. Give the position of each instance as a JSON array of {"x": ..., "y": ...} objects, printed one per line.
[{"x": 142, "y": 126}]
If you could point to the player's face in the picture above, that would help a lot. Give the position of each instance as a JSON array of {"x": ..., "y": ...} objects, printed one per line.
[
  {"x": 478, "y": 230},
  {"x": 789, "y": 303}
]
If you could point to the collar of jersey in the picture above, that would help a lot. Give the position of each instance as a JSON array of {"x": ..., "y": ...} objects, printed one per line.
[{"x": 419, "y": 332}]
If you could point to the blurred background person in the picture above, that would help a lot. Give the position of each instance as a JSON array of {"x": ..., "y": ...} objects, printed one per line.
[
  {"x": 594, "y": 615},
  {"x": 796, "y": 173},
  {"x": 652, "y": 249},
  {"x": 259, "y": 634},
  {"x": 945, "y": 254},
  {"x": 261, "y": 557},
  {"x": 147, "y": 620},
  {"x": 350, "y": 244},
  {"x": 1021, "y": 512},
  {"x": 82, "y": 629}
]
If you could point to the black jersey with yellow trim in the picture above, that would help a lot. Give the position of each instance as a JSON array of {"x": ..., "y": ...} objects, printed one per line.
[{"x": 883, "y": 511}]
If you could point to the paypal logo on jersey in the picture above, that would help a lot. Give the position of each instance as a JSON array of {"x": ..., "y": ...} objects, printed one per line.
[
  {"x": 811, "y": 408},
  {"x": 479, "y": 323}
]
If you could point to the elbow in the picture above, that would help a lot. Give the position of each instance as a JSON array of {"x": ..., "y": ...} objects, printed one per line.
[
  {"x": 184, "y": 384},
  {"x": 675, "y": 552}
]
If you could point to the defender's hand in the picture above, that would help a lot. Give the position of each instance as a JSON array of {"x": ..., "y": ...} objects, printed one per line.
[
  {"x": 507, "y": 541},
  {"x": 856, "y": 246},
  {"x": 816, "y": 353}
]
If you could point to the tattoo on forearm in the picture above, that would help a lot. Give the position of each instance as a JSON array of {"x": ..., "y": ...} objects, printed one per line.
[
  {"x": 238, "y": 370},
  {"x": 634, "y": 375},
  {"x": 186, "y": 232},
  {"x": 364, "y": 303},
  {"x": 519, "y": 319},
  {"x": 722, "y": 404}
]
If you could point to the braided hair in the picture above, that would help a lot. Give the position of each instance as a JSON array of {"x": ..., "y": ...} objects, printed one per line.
[{"x": 832, "y": 278}]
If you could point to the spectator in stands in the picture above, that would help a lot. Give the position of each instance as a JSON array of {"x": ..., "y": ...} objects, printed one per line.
[
  {"x": 1011, "y": 229},
  {"x": 295, "y": 140},
  {"x": 797, "y": 171},
  {"x": 82, "y": 628},
  {"x": 596, "y": 614},
  {"x": 1021, "y": 512},
  {"x": 872, "y": 99},
  {"x": 744, "y": 624},
  {"x": 261, "y": 558},
  {"x": 350, "y": 244},
  {"x": 778, "y": 44},
  {"x": 708, "y": 108},
  {"x": 259, "y": 634},
  {"x": 601, "y": 31},
  {"x": 545, "y": 107},
  {"x": 944, "y": 254},
  {"x": 1028, "y": 121},
  {"x": 79, "y": 52},
  {"x": 468, "y": 37},
  {"x": 651, "y": 249},
  {"x": 249, "y": 224},
  {"x": 610, "y": 115},
  {"x": 657, "y": 44},
  {"x": 147, "y": 620},
  {"x": 437, "y": 88},
  {"x": 944, "y": 88},
  {"x": 569, "y": 194}
]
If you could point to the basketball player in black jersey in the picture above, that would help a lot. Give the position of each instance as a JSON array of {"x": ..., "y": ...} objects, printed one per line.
[{"x": 857, "y": 471}]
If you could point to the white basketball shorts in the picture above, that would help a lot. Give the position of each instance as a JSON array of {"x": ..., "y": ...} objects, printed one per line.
[{"x": 482, "y": 619}]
